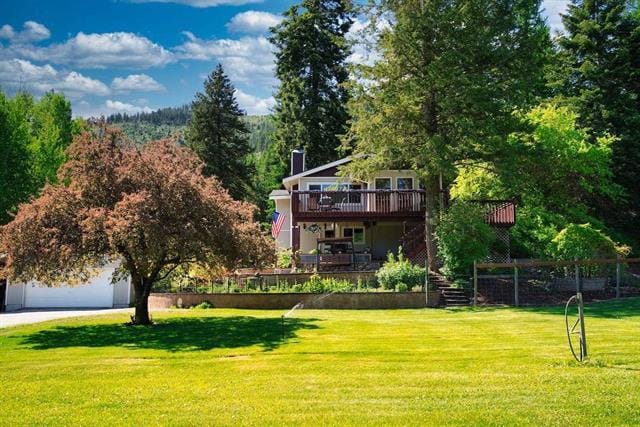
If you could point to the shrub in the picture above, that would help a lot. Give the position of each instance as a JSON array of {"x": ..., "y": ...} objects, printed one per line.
[
  {"x": 463, "y": 237},
  {"x": 318, "y": 285},
  {"x": 204, "y": 305},
  {"x": 582, "y": 241},
  {"x": 399, "y": 271},
  {"x": 284, "y": 258}
]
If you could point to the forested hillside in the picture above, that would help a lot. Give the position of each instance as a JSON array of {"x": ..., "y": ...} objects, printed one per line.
[{"x": 172, "y": 121}]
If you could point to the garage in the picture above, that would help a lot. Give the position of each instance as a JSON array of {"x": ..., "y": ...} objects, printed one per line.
[{"x": 98, "y": 292}]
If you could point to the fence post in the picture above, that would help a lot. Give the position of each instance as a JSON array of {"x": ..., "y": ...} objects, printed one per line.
[
  {"x": 426, "y": 286},
  {"x": 515, "y": 282},
  {"x": 578, "y": 278},
  {"x": 618, "y": 273},
  {"x": 475, "y": 283}
]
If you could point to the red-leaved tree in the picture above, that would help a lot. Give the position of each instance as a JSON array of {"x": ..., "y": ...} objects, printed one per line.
[{"x": 148, "y": 207}]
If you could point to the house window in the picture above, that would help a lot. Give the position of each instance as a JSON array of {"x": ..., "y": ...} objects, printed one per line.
[
  {"x": 329, "y": 234},
  {"x": 356, "y": 233},
  {"x": 405, "y": 183},
  {"x": 383, "y": 183}
]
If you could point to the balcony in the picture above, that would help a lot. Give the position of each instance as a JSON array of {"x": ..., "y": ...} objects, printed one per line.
[{"x": 358, "y": 204}]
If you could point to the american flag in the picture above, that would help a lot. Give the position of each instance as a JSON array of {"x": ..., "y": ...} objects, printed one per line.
[{"x": 277, "y": 220}]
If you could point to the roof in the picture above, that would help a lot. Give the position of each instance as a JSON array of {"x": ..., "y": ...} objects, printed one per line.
[
  {"x": 316, "y": 170},
  {"x": 279, "y": 194}
]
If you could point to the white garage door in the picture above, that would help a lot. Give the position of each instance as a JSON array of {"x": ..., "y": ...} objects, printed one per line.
[{"x": 97, "y": 293}]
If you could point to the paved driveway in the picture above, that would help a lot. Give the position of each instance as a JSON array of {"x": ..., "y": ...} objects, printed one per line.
[{"x": 35, "y": 316}]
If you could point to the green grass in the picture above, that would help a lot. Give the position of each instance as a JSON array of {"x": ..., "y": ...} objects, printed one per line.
[{"x": 403, "y": 367}]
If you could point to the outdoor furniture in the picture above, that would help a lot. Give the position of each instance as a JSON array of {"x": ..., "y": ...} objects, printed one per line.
[{"x": 335, "y": 252}]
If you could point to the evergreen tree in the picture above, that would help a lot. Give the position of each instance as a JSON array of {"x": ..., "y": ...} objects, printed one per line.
[
  {"x": 218, "y": 134},
  {"x": 600, "y": 76},
  {"x": 450, "y": 76},
  {"x": 310, "y": 63}
]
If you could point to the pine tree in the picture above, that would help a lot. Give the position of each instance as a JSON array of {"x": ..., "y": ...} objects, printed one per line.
[
  {"x": 311, "y": 65},
  {"x": 600, "y": 76},
  {"x": 444, "y": 91},
  {"x": 218, "y": 134}
]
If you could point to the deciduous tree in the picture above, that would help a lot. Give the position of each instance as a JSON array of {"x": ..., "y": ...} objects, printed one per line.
[{"x": 148, "y": 207}]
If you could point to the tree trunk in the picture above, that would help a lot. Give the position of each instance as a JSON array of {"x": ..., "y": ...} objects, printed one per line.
[
  {"x": 431, "y": 218},
  {"x": 141, "y": 289}
]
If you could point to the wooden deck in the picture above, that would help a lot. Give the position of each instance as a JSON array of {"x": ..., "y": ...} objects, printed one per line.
[{"x": 358, "y": 204}]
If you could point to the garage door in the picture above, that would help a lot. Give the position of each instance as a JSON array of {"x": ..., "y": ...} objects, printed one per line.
[{"x": 97, "y": 293}]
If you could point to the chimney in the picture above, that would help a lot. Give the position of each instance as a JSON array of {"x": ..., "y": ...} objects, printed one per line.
[{"x": 297, "y": 161}]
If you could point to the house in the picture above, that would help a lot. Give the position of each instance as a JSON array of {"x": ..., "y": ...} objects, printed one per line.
[
  {"x": 335, "y": 221},
  {"x": 98, "y": 292}
]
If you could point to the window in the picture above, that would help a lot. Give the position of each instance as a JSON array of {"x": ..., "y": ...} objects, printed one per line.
[
  {"x": 356, "y": 233},
  {"x": 383, "y": 183},
  {"x": 329, "y": 234},
  {"x": 405, "y": 183}
]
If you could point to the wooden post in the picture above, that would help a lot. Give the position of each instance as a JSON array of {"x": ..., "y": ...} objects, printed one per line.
[
  {"x": 515, "y": 283},
  {"x": 426, "y": 285},
  {"x": 475, "y": 283},
  {"x": 577, "y": 274},
  {"x": 618, "y": 274},
  {"x": 583, "y": 335}
]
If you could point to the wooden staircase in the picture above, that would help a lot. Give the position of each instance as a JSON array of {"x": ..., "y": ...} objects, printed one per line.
[{"x": 451, "y": 296}]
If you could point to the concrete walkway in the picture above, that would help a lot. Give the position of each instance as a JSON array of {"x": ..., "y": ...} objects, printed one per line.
[{"x": 24, "y": 317}]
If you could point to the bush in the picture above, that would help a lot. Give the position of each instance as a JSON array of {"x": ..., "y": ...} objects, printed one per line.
[
  {"x": 204, "y": 305},
  {"x": 399, "y": 271},
  {"x": 284, "y": 258},
  {"x": 463, "y": 237},
  {"x": 318, "y": 285},
  {"x": 582, "y": 241}
]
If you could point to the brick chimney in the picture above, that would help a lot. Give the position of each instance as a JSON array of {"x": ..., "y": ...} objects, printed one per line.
[{"x": 297, "y": 161}]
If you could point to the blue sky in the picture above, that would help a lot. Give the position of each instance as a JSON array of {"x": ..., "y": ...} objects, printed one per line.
[{"x": 112, "y": 56}]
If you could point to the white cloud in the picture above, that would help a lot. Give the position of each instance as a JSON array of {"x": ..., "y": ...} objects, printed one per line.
[
  {"x": 76, "y": 82},
  {"x": 201, "y": 3},
  {"x": 248, "y": 59},
  {"x": 20, "y": 74},
  {"x": 86, "y": 109},
  {"x": 123, "y": 107},
  {"x": 253, "y": 21},
  {"x": 136, "y": 82},
  {"x": 551, "y": 9},
  {"x": 7, "y": 32},
  {"x": 116, "y": 50},
  {"x": 254, "y": 105},
  {"x": 31, "y": 32}
]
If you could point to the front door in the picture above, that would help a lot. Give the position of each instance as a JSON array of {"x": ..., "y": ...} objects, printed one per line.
[{"x": 383, "y": 199}]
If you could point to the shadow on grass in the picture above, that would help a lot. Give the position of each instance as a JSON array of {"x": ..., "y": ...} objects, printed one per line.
[
  {"x": 610, "y": 309},
  {"x": 179, "y": 334}
]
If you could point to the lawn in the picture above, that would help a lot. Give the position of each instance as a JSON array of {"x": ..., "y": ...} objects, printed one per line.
[{"x": 403, "y": 367}]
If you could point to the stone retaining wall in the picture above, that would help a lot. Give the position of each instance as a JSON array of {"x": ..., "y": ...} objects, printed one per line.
[{"x": 359, "y": 300}]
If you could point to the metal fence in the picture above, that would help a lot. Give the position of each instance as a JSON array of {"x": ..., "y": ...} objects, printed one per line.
[{"x": 535, "y": 282}]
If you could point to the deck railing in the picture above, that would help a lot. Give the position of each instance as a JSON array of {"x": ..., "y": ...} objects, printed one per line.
[{"x": 360, "y": 202}]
